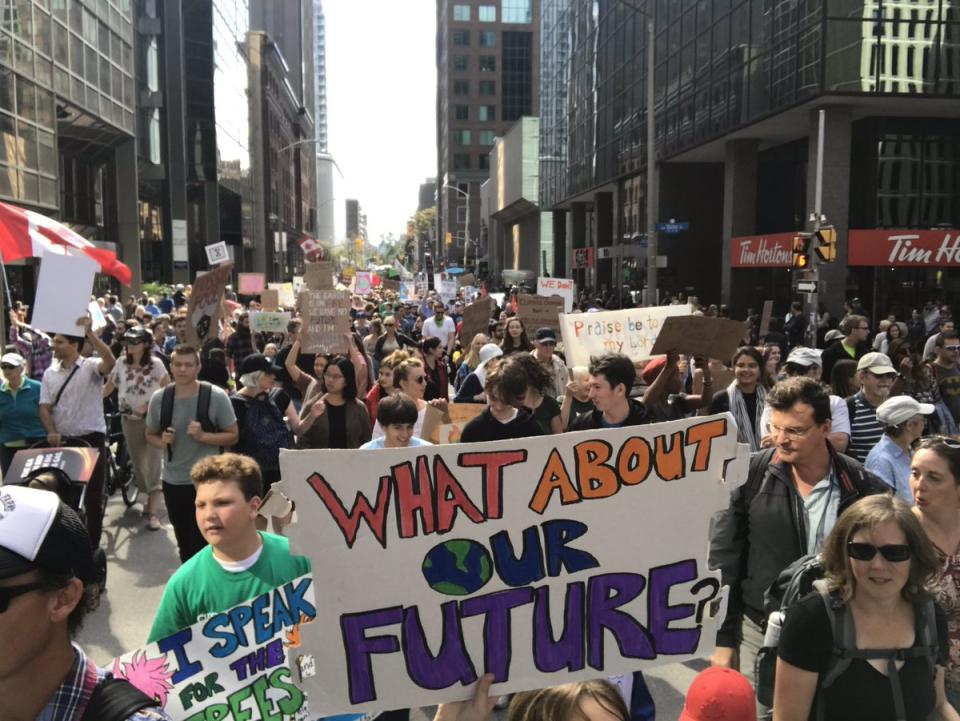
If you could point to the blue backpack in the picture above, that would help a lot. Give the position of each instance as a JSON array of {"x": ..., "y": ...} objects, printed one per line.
[{"x": 263, "y": 429}]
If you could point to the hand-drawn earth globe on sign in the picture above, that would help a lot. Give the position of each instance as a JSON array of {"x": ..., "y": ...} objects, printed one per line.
[{"x": 457, "y": 567}]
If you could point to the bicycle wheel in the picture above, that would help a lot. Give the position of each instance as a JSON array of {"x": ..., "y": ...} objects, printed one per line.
[{"x": 125, "y": 477}]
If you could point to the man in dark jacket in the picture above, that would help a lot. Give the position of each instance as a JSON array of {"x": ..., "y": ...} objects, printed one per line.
[
  {"x": 789, "y": 503},
  {"x": 611, "y": 378},
  {"x": 853, "y": 345}
]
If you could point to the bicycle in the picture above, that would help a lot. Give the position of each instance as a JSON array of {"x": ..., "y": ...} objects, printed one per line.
[{"x": 119, "y": 465}]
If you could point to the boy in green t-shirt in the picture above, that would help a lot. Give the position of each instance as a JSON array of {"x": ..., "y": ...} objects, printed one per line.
[{"x": 240, "y": 562}]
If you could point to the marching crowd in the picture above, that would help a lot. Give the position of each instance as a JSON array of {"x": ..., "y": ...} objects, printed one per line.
[{"x": 854, "y": 459}]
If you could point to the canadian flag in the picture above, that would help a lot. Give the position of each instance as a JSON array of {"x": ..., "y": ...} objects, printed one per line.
[
  {"x": 25, "y": 234},
  {"x": 312, "y": 250}
]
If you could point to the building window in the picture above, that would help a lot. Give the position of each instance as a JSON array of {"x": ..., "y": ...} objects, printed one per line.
[
  {"x": 487, "y": 13},
  {"x": 488, "y": 39},
  {"x": 461, "y": 161},
  {"x": 484, "y": 162},
  {"x": 488, "y": 63},
  {"x": 464, "y": 188},
  {"x": 461, "y": 214},
  {"x": 487, "y": 137},
  {"x": 461, "y": 13},
  {"x": 461, "y": 38},
  {"x": 461, "y": 63},
  {"x": 517, "y": 75},
  {"x": 517, "y": 11},
  {"x": 488, "y": 87},
  {"x": 461, "y": 137},
  {"x": 487, "y": 113},
  {"x": 461, "y": 112},
  {"x": 461, "y": 87}
]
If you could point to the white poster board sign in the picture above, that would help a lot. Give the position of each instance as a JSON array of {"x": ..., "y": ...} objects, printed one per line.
[
  {"x": 63, "y": 292},
  {"x": 217, "y": 253},
  {"x": 269, "y": 321},
  {"x": 631, "y": 331},
  {"x": 564, "y": 287},
  {"x": 96, "y": 315},
  {"x": 285, "y": 296},
  {"x": 448, "y": 291},
  {"x": 540, "y": 560}
]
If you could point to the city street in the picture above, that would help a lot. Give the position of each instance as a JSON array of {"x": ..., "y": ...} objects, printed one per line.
[{"x": 141, "y": 561}]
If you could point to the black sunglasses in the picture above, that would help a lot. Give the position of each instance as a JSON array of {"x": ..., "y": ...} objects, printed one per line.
[
  {"x": 8, "y": 367},
  {"x": 895, "y": 552},
  {"x": 8, "y": 593}
]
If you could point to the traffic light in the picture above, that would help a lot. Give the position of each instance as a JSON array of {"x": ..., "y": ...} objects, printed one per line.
[
  {"x": 449, "y": 238},
  {"x": 358, "y": 244},
  {"x": 827, "y": 244},
  {"x": 801, "y": 251}
]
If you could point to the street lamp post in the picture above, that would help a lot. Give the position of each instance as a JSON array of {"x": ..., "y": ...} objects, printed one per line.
[{"x": 466, "y": 225}]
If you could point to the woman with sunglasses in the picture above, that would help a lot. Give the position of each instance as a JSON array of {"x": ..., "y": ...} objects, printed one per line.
[
  {"x": 20, "y": 425},
  {"x": 878, "y": 565},
  {"x": 391, "y": 340},
  {"x": 410, "y": 377},
  {"x": 935, "y": 481},
  {"x": 337, "y": 418},
  {"x": 384, "y": 385},
  {"x": 135, "y": 377}
]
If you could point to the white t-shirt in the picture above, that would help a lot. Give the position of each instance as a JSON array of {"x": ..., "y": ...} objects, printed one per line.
[
  {"x": 80, "y": 410},
  {"x": 443, "y": 331}
]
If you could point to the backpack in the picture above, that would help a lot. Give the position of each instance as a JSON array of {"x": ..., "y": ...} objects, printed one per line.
[
  {"x": 795, "y": 582},
  {"x": 116, "y": 699},
  {"x": 263, "y": 428},
  {"x": 203, "y": 410}
]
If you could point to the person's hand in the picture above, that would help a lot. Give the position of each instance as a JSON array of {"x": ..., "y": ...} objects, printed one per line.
[
  {"x": 168, "y": 436},
  {"x": 906, "y": 365},
  {"x": 320, "y": 407},
  {"x": 195, "y": 430},
  {"x": 54, "y": 439},
  {"x": 440, "y": 404},
  {"x": 86, "y": 323},
  {"x": 726, "y": 657},
  {"x": 478, "y": 708},
  {"x": 673, "y": 357},
  {"x": 14, "y": 318}
]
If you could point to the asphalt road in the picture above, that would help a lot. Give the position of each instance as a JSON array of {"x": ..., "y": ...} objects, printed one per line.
[{"x": 140, "y": 561}]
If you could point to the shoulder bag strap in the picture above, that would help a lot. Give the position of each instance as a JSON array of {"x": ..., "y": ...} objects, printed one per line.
[
  {"x": 116, "y": 699},
  {"x": 76, "y": 367}
]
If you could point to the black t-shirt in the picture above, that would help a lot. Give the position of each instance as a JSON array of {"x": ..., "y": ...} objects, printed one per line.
[
  {"x": 720, "y": 403},
  {"x": 578, "y": 407},
  {"x": 338, "y": 425},
  {"x": 861, "y": 693},
  {"x": 546, "y": 412},
  {"x": 487, "y": 428}
]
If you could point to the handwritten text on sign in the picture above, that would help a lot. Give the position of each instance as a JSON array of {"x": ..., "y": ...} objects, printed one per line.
[
  {"x": 555, "y": 559},
  {"x": 244, "y": 663},
  {"x": 632, "y": 332}
]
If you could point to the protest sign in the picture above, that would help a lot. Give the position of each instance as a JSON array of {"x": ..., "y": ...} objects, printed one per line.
[
  {"x": 700, "y": 336},
  {"x": 298, "y": 284},
  {"x": 476, "y": 319},
  {"x": 243, "y": 663},
  {"x": 542, "y": 560},
  {"x": 564, "y": 287},
  {"x": 765, "y": 318},
  {"x": 203, "y": 310},
  {"x": 285, "y": 296},
  {"x": 96, "y": 315},
  {"x": 535, "y": 311},
  {"x": 318, "y": 276},
  {"x": 448, "y": 291},
  {"x": 434, "y": 419},
  {"x": 390, "y": 284},
  {"x": 408, "y": 290},
  {"x": 363, "y": 282},
  {"x": 270, "y": 299},
  {"x": 466, "y": 279},
  {"x": 631, "y": 331},
  {"x": 326, "y": 321},
  {"x": 269, "y": 321},
  {"x": 217, "y": 253},
  {"x": 251, "y": 283},
  {"x": 63, "y": 292}
]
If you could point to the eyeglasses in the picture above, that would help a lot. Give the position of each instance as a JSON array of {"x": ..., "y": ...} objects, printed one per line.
[
  {"x": 791, "y": 433},
  {"x": 8, "y": 367},
  {"x": 333, "y": 376},
  {"x": 895, "y": 552},
  {"x": 8, "y": 593},
  {"x": 420, "y": 379},
  {"x": 951, "y": 347}
]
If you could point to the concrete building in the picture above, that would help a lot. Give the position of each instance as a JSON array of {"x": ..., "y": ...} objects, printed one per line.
[
  {"x": 67, "y": 122},
  {"x": 326, "y": 226},
  {"x": 738, "y": 90},
  {"x": 488, "y": 62}
]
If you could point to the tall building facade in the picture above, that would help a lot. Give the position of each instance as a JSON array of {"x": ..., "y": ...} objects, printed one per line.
[
  {"x": 739, "y": 87},
  {"x": 326, "y": 164},
  {"x": 67, "y": 121},
  {"x": 488, "y": 73}
]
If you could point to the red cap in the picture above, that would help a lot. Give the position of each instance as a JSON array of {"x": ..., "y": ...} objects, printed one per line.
[
  {"x": 652, "y": 369},
  {"x": 719, "y": 694}
]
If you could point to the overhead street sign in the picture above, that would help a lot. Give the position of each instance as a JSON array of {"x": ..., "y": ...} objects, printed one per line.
[{"x": 673, "y": 227}]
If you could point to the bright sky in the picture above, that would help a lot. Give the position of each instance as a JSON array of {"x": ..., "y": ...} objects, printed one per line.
[{"x": 381, "y": 101}]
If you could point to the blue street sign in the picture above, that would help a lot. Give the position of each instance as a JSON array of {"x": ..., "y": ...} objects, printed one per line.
[{"x": 673, "y": 227}]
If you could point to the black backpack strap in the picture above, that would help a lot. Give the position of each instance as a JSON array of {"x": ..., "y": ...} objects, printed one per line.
[
  {"x": 166, "y": 413},
  {"x": 116, "y": 699},
  {"x": 203, "y": 408}
]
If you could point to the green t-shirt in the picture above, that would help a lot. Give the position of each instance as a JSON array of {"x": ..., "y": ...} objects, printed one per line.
[{"x": 201, "y": 587}]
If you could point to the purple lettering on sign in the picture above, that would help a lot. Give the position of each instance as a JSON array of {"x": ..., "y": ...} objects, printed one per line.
[
  {"x": 359, "y": 648},
  {"x": 605, "y": 595},
  {"x": 567, "y": 652},
  {"x": 451, "y": 664},
  {"x": 660, "y": 613},
  {"x": 496, "y": 626}
]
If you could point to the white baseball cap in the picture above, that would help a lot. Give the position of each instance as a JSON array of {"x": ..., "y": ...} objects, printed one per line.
[{"x": 900, "y": 409}]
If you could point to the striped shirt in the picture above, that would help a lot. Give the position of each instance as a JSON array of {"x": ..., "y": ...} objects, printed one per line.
[{"x": 865, "y": 429}]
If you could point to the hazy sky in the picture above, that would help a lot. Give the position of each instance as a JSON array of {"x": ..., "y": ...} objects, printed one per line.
[{"x": 381, "y": 101}]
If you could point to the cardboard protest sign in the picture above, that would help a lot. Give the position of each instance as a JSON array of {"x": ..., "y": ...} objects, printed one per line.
[
  {"x": 270, "y": 299},
  {"x": 251, "y": 283},
  {"x": 466, "y": 279},
  {"x": 434, "y": 420},
  {"x": 700, "y": 335},
  {"x": 631, "y": 331},
  {"x": 285, "y": 296},
  {"x": 243, "y": 663},
  {"x": 63, "y": 292},
  {"x": 765, "y": 318},
  {"x": 363, "y": 282},
  {"x": 390, "y": 284},
  {"x": 476, "y": 319},
  {"x": 541, "y": 560},
  {"x": 535, "y": 311},
  {"x": 564, "y": 287},
  {"x": 269, "y": 321},
  {"x": 203, "y": 310},
  {"x": 326, "y": 320}
]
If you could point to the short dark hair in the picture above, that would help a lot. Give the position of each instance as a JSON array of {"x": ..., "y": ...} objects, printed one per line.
[
  {"x": 430, "y": 344},
  {"x": 398, "y": 408},
  {"x": 538, "y": 377},
  {"x": 88, "y": 601},
  {"x": 616, "y": 368},
  {"x": 507, "y": 381},
  {"x": 76, "y": 340},
  {"x": 801, "y": 389},
  {"x": 944, "y": 336},
  {"x": 185, "y": 349},
  {"x": 240, "y": 469}
]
